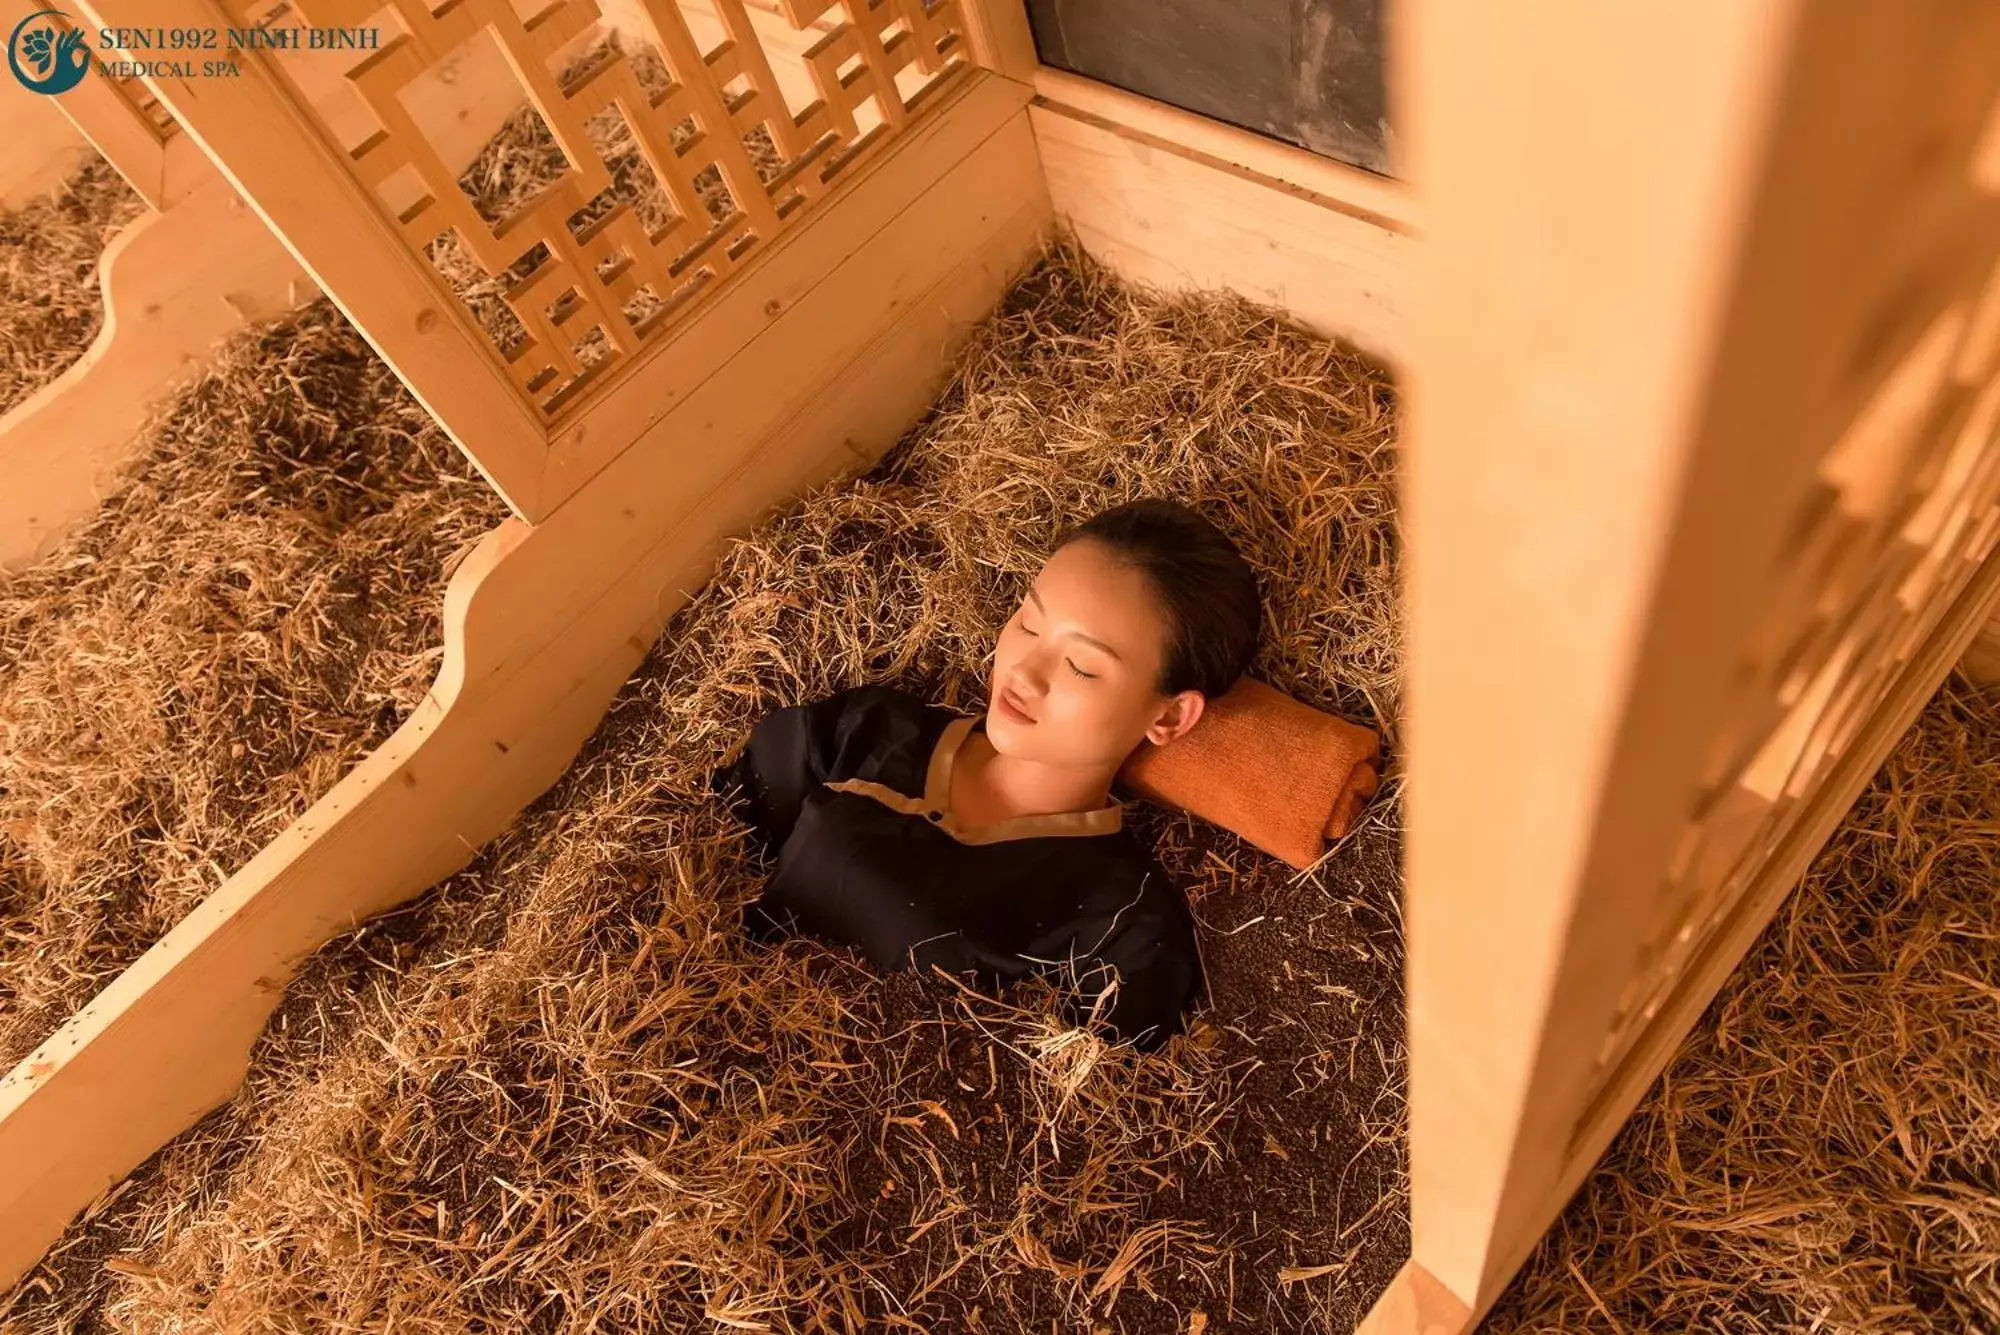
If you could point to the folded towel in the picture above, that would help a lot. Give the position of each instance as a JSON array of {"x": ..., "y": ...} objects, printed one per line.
[{"x": 1285, "y": 776}]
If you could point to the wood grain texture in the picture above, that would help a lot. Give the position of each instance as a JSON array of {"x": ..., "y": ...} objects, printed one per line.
[
  {"x": 1676, "y": 423},
  {"x": 543, "y": 626},
  {"x": 39, "y": 146},
  {"x": 1178, "y": 218}
]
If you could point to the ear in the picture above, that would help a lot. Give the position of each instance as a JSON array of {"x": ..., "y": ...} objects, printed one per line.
[{"x": 1180, "y": 713}]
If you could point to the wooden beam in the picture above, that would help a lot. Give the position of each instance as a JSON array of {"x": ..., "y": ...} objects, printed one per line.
[
  {"x": 543, "y": 625},
  {"x": 41, "y": 147},
  {"x": 1663, "y": 274},
  {"x": 1179, "y": 201}
]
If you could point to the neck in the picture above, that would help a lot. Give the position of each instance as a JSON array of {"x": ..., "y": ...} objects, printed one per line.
[{"x": 1032, "y": 788}]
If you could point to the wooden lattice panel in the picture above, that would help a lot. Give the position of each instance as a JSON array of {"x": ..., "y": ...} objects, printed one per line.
[
  {"x": 744, "y": 115},
  {"x": 1905, "y": 507}
]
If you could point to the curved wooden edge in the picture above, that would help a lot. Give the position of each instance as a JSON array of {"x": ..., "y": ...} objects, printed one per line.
[
  {"x": 175, "y": 284},
  {"x": 170, "y": 1038},
  {"x": 542, "y": 626}
]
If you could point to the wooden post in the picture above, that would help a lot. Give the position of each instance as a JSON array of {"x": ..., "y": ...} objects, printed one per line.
[
  {"x": 1001, "y": 39},
  {"x": 1701, "y": 489}
]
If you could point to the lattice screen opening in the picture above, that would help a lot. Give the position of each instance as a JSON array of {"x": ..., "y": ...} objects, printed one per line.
[{"x": 674, "y": 140}]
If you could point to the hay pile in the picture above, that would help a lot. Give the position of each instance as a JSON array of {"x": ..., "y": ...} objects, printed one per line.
[
  {"x": 254, "y": 613},
  {"x": 569, "y": 1095},
  {"x": 1824, "y": 1152},
  {"x": 50, "y": 308},
  {"x": 255, "y": 610}
]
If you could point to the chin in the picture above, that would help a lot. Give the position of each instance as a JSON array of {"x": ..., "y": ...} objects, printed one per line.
[{"x": 1003, "y": 732}]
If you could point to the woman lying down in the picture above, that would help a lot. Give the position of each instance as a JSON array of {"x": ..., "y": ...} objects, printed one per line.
[{"x": 992, "y": 844}]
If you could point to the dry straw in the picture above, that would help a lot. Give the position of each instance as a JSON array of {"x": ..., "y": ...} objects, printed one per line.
[
  {"x": 255, "y": 610},
  {"x": 562, "y": 1093},
  {"x": 50, "y": 308},
  {"x": 1824, "y": 1152},
  {"x": 568, "y": 1094}
]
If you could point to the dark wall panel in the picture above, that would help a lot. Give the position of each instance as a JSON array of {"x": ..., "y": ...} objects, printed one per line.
[{"x": 1305, "y": 71}]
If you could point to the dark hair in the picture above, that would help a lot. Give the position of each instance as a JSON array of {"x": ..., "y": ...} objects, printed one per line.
[{"x": 1202, "y": 583}]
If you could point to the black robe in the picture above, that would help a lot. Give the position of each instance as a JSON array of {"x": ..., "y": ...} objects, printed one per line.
[{"x": 852, "y": 795}]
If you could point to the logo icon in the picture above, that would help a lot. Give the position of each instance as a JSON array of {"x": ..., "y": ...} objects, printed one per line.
[{"x": 47, "y": 59}]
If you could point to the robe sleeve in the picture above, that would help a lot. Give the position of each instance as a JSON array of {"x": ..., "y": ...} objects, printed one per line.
[
  {"x": 789, "y": 753},
  {"x": 1159, "y": 973}
]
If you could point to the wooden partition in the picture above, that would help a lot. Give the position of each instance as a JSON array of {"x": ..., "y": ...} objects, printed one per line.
[
  {"x": 1701, "y": 483},
  {"x": 190, "y": 273},
  {"x": 812, "y": 361},
  {"x": 595, "y": 283}
]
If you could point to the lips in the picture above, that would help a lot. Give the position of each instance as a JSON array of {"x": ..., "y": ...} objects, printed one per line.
[{"x": 1010, "y": 705}]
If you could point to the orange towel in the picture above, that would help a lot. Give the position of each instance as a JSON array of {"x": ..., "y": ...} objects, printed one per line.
[{"x": 1285, "y": 776}]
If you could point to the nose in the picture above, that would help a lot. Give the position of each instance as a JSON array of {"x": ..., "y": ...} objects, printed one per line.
[{"x": 1027, "y": 677}]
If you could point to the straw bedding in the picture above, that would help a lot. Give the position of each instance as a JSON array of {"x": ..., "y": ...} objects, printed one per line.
[
  {"x": 559, "y": 1092},
  {"x": 1824, "y": 1152},
  {"x": 255, "y": 610},
  {"x": 567, "y": 1094},
  {"x": 50, "y": 308}
]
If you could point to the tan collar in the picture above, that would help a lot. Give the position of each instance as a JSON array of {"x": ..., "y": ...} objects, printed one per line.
[{"x": 935, "y": 805}]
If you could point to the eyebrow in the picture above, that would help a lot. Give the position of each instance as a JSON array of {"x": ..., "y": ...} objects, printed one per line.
[{"x": 1087, "y": 639}]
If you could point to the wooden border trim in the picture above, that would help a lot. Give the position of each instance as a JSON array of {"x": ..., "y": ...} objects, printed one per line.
[
  {"x": 1178, "y": 201},
  {"x": 543, "y": 626},
  {"x": 175, "y": 284},
  {"x": 1382, "y": 200}
]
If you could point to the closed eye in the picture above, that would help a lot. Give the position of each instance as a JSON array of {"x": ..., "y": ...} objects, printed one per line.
[{"x": 1079, "y": 671}]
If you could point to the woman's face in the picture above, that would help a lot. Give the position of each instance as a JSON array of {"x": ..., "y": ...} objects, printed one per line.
[{"x": 1077, "y": 668}]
